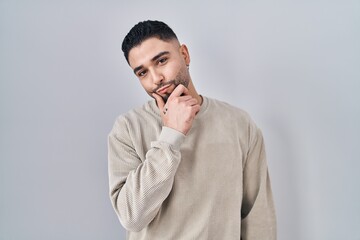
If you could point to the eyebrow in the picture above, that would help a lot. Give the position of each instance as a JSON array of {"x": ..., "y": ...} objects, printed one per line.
[{"x": 153, "y": 60}]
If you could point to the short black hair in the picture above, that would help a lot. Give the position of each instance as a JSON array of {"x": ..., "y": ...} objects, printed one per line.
[{"x": 143, "y": 31}]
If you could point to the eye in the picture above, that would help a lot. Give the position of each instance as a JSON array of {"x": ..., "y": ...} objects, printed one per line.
[
  {"x": 163, "y": 60},
  {"x": 141, "y": 73}
]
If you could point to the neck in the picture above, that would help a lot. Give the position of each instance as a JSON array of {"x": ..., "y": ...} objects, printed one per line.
[{"x": 193, "y": 92}]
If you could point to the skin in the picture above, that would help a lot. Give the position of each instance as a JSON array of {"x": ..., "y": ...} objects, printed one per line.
[{"x": 161, "y": 67}]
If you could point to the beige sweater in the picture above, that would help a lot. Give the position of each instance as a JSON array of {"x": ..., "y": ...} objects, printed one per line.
[{"x": 212, "y": 183}]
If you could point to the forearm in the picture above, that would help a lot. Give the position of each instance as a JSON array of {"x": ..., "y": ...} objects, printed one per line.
[
  {"x": 260, "y": 221},
  {"x": 139, "y": 199}
]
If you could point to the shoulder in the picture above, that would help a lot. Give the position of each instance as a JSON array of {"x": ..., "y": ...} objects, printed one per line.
[
  {"x": 225, "y": 109},
  {"x": 238, "y": 119},
  {"x": 138, "y": 116},
  {"x": 233, "y": 116}
]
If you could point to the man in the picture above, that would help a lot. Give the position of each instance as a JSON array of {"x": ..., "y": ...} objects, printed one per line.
[{"x": 185, "y": 166}]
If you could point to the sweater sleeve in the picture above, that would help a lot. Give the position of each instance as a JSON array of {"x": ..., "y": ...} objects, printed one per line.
[
  {"x": 257, "y": 212},
  {"x": 138, "y": 188}
]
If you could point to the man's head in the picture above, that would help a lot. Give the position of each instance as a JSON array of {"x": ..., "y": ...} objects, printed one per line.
[
  {"x": 159, "y": 61},
  {"x": 143, "y": 31}
]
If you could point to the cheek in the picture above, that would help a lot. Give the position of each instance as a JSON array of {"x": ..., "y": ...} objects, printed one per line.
[
  {"x": 146, "y": 86},
  {"x": 172, "y": 71}
]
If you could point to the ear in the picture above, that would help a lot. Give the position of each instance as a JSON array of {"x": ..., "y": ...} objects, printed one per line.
[{"x": 185, "y": 54}]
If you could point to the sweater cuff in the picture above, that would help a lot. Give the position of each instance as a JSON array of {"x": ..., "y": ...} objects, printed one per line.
[{"x": 171, "y": 136}]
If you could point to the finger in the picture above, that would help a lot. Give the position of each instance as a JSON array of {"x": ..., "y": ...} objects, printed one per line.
[
  {"x": 196, "y": 108},
  {"x": 185, "y": 98},
  {"x": 159, "y": 101},
  {"x": 180, "y": 89},
  {"x": 192, "y": 102}
]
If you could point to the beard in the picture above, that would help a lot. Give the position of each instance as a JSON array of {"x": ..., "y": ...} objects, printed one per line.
[{"x": 181, "y": 78}]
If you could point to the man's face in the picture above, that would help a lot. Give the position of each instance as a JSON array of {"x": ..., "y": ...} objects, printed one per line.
[{"x": 160, "y": 66}]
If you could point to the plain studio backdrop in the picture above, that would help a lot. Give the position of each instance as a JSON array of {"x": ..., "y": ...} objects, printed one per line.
[{"x": 293, "y": 65}]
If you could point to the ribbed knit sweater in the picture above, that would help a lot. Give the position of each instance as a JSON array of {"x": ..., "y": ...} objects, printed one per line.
[{"x": 212, "y": 183}]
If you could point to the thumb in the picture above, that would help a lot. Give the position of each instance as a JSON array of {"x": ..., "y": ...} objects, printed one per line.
[{"x": 159, "y": 101}]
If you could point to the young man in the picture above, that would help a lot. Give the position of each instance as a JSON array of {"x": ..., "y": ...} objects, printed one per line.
[{"x": 185, "y": 166}]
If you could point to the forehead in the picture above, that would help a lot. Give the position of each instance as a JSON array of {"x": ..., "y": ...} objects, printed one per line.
[{"x": 143, "y": 53}]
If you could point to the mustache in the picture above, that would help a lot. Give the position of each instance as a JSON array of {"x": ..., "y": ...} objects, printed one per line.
[{"x": 164, "y": 84}]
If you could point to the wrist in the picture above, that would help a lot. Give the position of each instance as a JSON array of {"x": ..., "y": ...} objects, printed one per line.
[{"x": 171, "y": 136}]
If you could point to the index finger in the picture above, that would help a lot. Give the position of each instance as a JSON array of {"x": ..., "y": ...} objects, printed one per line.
[
  {"x": 179, "y": 90},
  {"x": 159, "y": 101}
]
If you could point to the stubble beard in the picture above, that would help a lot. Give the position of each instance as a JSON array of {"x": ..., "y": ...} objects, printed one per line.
[{"x": 181, "y": 78}]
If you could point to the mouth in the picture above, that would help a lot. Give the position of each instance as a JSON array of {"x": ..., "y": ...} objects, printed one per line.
[{"x": 163, "y": 89}]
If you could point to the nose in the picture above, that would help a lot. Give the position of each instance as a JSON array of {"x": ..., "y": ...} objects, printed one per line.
[{"x": 157, "y": 76}]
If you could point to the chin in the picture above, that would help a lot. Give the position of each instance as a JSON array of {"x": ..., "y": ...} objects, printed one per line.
[{"x": 165, "y": 98}]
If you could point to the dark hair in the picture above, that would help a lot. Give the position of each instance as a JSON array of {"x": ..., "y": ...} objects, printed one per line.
[{"x": 143, "y": 31}]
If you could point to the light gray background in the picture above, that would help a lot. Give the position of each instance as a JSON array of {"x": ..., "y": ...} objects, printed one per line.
[{"x": 294, "y": 66}]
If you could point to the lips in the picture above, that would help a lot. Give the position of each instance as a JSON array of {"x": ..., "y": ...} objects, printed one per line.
[{"x": 163, "y": 89}]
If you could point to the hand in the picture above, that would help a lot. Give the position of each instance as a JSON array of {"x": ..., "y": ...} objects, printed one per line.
[{"x": 180, "y": 109}]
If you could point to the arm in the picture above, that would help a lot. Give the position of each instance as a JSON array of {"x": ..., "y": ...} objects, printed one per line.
[
  {"x": 137, "y": 189},
  {"x": 257, "y": 212}
]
